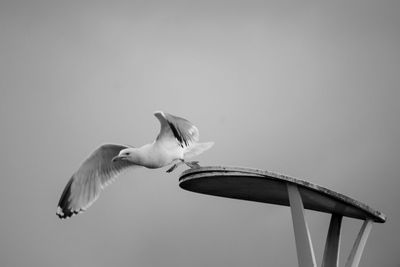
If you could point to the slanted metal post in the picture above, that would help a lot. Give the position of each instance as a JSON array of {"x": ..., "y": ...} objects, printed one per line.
[
  {"x": 305, "y": 252},
  {"x": 332, "y": 245},
  {"x": 359, "y": 244}
]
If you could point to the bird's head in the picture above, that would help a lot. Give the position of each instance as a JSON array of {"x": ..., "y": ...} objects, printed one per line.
[{"x": 127, "y": 154}]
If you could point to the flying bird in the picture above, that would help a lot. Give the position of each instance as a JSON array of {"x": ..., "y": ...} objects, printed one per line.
[{"x": 177, "y": 141}]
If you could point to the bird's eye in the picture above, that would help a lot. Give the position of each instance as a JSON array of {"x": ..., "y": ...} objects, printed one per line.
[{"x": 128, "y": 153}]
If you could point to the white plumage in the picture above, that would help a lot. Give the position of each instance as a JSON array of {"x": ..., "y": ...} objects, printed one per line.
[{"x": 176, "y": 142}]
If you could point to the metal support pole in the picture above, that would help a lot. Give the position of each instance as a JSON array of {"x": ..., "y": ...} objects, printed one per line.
[
  {"x": 305, "y": 252},
  {"x": 359, "y": 244},
  {"x": 332, "y": 245}
]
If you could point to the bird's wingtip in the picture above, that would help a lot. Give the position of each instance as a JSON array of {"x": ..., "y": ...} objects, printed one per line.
[
  {"x": 59, "y": 213},
  {"x": 64, "y": 209},
  {"x": 65, "y": 214}
]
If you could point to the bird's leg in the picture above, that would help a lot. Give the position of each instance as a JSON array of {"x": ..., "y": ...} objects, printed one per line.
[
  {"x": 176, "y": 162},
  {"x": 192, "y": 164},
  {"x": 172, "y": 168}
]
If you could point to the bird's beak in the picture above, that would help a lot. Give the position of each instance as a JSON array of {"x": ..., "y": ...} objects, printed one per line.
[{"x": 118, "y": 158}]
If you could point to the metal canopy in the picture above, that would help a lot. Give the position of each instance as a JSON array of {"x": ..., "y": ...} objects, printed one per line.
[{"x": 268, "y": 187}]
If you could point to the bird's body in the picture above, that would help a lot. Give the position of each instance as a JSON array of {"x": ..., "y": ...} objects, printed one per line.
[
  {"x": 176, "y": 142},
  {"x": 158, "y": 154}
]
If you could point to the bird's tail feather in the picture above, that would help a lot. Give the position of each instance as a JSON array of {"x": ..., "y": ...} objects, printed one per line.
[{"x": 197, "y": 148}]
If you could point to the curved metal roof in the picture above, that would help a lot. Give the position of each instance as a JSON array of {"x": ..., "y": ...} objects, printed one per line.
[{"x": 268, "y": 187}]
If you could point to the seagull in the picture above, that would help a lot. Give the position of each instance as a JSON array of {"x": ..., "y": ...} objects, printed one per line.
[{"x": 177, "y": 141}]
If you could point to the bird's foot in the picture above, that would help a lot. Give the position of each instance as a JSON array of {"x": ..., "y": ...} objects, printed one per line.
[
  {"x": 172, "y": 168},
  {"x": 192, "y": 164}
]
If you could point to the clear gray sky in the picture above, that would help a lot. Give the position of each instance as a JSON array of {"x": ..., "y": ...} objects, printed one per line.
[{"x": 308, "y": 89}]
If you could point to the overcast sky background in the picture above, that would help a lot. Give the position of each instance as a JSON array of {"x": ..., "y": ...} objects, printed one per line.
[{"x": 307, "y": 89}]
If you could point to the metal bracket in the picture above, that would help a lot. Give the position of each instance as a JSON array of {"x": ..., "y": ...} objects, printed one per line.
[
  {"x": 305, "y": 251},
  {"x": 332, "y": 245},
  {"x": 359, "y": 244}
]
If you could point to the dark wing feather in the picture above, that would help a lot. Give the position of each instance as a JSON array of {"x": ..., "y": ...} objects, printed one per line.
[{"x": 179, "y": 128}]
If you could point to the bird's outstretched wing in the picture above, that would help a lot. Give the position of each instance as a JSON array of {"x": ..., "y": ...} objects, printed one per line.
[
  {"x": 85, "y": 185},
  {"x": 173, "y": 127}
]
